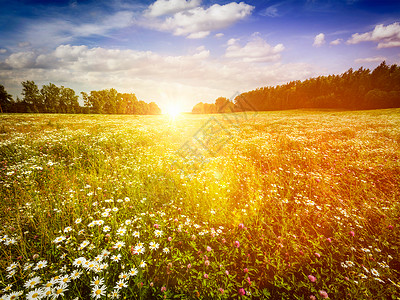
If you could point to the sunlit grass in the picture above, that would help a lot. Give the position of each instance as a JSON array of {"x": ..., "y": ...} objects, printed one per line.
[{"x": 295, "y": 203}]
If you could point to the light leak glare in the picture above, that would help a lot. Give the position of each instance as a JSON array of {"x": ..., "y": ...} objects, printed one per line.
[{"x": 174, "y": 110}]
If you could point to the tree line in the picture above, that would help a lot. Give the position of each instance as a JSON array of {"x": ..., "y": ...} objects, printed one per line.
[
  {"x": 360, "y": 89},
  {"x": 53, "y": 99}
]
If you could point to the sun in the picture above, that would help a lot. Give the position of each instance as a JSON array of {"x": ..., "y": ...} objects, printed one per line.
[{"x": 173, "y": 110}]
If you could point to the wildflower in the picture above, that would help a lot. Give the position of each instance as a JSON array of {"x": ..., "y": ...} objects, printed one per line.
[
  {"x": 121, "y": 231},
  {"x": 59, "y": 239},
  {"x": 221, "y": 290},
  {"x": 317, "y": 254},
  {"x": 64, "y": 279},
  {"x": 40, "y": 265},
  {"x": 237, "y": 244},
  {"x": 142, "y": 264},
  {"x": 77, "y": 221},
  {"x": 115, "y": 294},
  {"x": 352, "y": 233},
  {"x": 106, "y": 228},
  {"x": 363, "y": 276},
  {"x": 97, "y": 281},
  {"x": 7, "y": 288},
  {"x": 166, "y": 250},
  {"x": 79, "y": 261},
  {"x": 374, "y": 272},
  {"x": 67, "y": 229},
  {"x": 158, "y": 233},
  {"x": 116, "y": 258},
  {"x": 83, "y": 244},
  {"x": 32, "y": 282},
  {"x": 153, "y": 246},
  {"x": 189, "y": 266},
  {"x": 242, "y": 292},
  {"x": 312, "y": 278},
  {"x": 312, "y": 297},
  {"x": 248, "y": 280},
  {"x": 163, "y": 289},
  {"x": 241, "y": 226},
  {"x": 205, "y": 276},
  {"x": 118, "y": 245},
  {"x": 121, "y": 284},
  {"x": 349, "y": 263},
  {"x": 323, "y": 294},
  {"x": 98, "y": 291},
  {"x": 133, "y": 272},
  {"x": 208, "y": 249},
  {"x": 207, "y": 262},
  {"x": 156, "y": 226},
  {"x": 59, "y": 291},
  {"x": 136, "y": 234},
  {"x": 75, "y": 275},
  {"x": 246, "y": 270},
  {"x": 35, "y": 294}
]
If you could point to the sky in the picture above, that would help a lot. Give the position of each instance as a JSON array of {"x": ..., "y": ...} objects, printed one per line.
[{"x": 181, "y": 52}]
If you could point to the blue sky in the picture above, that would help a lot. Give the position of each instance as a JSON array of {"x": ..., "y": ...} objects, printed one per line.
[{"x": 186, "y": 51}]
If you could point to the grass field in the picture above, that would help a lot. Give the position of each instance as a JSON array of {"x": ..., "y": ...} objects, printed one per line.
[{"x": 274, "y": 205}]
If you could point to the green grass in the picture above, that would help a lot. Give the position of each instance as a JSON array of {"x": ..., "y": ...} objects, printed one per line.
[{"x": 280, "y": 199}]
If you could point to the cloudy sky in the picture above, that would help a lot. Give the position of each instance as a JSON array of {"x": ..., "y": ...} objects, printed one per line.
[{"x": 187, "y": 51}]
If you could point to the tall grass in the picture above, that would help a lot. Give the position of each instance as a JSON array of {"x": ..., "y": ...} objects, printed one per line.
[{"x": 295, "y": 204}]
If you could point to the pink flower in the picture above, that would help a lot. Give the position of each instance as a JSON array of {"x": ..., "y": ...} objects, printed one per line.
[
  {"x": 312, "y": 297},
  {"x": 242, "y": 292},
  {"x": 156, "y": 226},
  {"x": 323, "y": 294},
  {"x": 237, "y": 244},
  {"x": 329, "y": 240},
  {"x": 390, "y": 227},
  {"x": 248, "y": 280},
  {"x": 246, "y": 270},
  {"x": 207, "y": 262},
  {"x": 227, "y": 272},
  {"x": 223, "y": 240},
  {"x": 169, "y": 239},
  {"x": 312, "y": 278},
  {"x": 221, "y": 290},
  {"x": 317, "y": 254},
  {"x": 163, "y": 289},
  {"x": 189, "y": 266},
  {"x": 205, "y": 275},
  {"x": 241, "y": 225},
  {"x": 209, "y": 248},
  {"x": 352, "y": 233}
]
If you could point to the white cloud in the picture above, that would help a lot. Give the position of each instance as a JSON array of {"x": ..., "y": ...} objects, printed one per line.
[
  {"x": 22, "y": 60},
  {"x": 336, "y": 42},
  {"x": 198, "y": 22},
  {"x": 56, "y": 31},
  {"x": 370, "y": 59},
  {"x": 271, "y": 11},
  {"x": 256, "y": 50},
  {"x": 2, "y": 50},
  {"x": 24, "y": 44},
  {"x": 167, "y": 7},
  {"x": 219, "y": 35},
  {"x": 192, "y": 78},
  {"x": 386, "y": 36},
  {"x": 319, "y": 40}
]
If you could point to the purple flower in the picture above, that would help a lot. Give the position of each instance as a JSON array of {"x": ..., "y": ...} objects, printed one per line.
[{"x": 242, "y": 292}]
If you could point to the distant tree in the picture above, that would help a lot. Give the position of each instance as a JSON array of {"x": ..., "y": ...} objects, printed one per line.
[
  {"x": 6, "y": 100},
  {"x": 68, "y": 100},
  {"x": 31, "y": 96},
  {"x": 51, "y": 98},
  {"x": 154, "y": 109},
  {"x": 198, "y": 108}
]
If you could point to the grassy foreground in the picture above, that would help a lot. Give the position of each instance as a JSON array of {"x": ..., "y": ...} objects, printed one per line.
[{"x": 290, "y": 205}]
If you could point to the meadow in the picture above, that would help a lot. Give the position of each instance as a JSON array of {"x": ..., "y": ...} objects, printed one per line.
[{"x": 295, "y": 204}]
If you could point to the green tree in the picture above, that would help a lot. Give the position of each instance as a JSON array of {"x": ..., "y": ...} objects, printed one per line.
[
  {"x": 51, "y": 98},
  {"x": 68, "y": 100},
  {"x": 6, "y": 100},
  {"x": 31, "y": 96}
]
